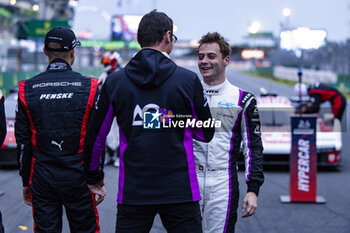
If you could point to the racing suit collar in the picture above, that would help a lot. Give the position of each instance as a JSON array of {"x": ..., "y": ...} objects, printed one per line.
[
  {"x": 216, "y": 89},
  {"x": 58, "y": 65}
]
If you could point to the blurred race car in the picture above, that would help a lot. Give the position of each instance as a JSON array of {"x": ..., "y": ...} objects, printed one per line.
[
  {"x": 8, "y": 154},
  {"x": 275, "y": 112}
]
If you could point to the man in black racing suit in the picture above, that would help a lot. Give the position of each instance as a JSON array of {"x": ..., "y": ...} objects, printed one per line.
[{"x": 51, "y": 120}]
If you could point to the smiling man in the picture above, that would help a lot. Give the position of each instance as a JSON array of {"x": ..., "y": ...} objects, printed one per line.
[{"x": 216, "y": 161}]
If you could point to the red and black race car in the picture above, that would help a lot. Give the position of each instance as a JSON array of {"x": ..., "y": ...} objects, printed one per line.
[{"x": 8, "y": 154}]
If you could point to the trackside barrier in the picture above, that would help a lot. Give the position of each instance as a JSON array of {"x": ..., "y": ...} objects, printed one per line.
[
  {"x": 310, "y": 75},
  {"x": 9, "y": 80},
  {"x": 303, "y": 161}
]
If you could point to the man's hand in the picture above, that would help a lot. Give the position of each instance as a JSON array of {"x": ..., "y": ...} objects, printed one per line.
[
  {"x": 99, "y": 190},
  {"x": 27, "y": 196},
  {"x": 301, "y": 109},
  {"x": 250, "y": 204}
]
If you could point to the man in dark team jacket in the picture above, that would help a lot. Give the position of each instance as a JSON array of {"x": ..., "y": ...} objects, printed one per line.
[
  {"x": 51, "y": 121},
  {"x": 157, "y": 172}
]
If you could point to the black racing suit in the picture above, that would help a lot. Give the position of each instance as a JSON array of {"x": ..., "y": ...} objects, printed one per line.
[
  {"x": 51, "y": 120},
  {"x": 320, "y": 93}
]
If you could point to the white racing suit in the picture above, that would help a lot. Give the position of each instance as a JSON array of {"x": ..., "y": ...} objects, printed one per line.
[
  {"x": 216, "y": 161},
  {"x": 112, "y": 140}
]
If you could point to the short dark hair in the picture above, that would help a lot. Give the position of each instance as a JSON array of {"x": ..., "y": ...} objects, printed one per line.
[
  {"x": 153, "y": 27},
  {"x": 56, "y": 54},
  {"x": 215, "y": 37}
]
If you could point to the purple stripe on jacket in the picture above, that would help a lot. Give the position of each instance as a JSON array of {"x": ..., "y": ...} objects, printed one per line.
[
  {"x": 229, "y": 171},
  {"x": 240, "y": 98},
  {"x": 122, "y": 145},
  {"x": 100, "y": 141},
  {"x": 198, "y": 133},
  {"x": 188, "y": 144}
]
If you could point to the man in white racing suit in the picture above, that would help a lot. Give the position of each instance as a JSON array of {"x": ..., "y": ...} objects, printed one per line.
[
  {"x": 216, "y": 161},
  {"x": 111, "y": 62}
]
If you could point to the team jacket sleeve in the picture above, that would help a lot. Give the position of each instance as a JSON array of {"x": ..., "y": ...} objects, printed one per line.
[
  {"x": 252, "y": 146},
  {"x": 2, "y": 120},
  {"x": 201, "y": 111},
  {"x": 23, "y": 135},
  {"x": 98, "y": 127}
]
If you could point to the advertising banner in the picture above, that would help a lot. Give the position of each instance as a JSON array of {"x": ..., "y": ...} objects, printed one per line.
[
  {"x": 309, "y": 75},
  {"x": 303, "y": 159}
]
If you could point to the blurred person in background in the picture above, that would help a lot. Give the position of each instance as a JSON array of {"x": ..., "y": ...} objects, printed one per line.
[
  {"x": 2, "y": 138},
  {"x": 51, "y": 120},
  {"x": 157, "y": 172},
  {"x": 111, "y": 62},
  {"x": 319, "y": 93},
  {"x": 216, "y": 161}
]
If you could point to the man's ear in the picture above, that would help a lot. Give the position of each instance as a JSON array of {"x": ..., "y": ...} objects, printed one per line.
[
  {"x": 227, "y": 60},
  {"x": 167, "y": 36},
  {"x": 72, "y": 53},
  {"x": 45, "y": 51}
]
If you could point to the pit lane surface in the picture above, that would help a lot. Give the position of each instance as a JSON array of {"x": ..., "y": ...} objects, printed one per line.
[{"x": 272, "y": 216}]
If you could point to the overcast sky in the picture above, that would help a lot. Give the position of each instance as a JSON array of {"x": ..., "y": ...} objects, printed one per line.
[{"x": 231, "y": 18}]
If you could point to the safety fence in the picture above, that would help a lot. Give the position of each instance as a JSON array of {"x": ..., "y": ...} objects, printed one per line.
[
  {"x": 9, "y": 80},
  {"x": 342, "y": 83}
]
